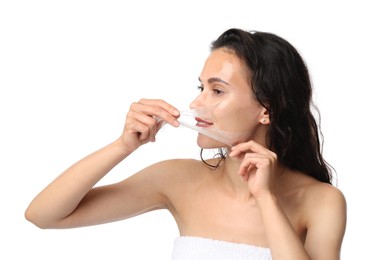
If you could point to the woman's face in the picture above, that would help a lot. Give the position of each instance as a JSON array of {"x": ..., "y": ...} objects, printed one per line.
[{"x": 227, "y": 100}]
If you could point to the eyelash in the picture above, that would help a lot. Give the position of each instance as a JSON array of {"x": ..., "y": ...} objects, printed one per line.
[{"x": 215, "y": 90}]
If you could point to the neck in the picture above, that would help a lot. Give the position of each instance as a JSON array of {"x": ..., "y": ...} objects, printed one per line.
[
  {"x": 235, "y": 183},
  {"x": 231, "y": 166},
  {"x": 232, "y": 180}
]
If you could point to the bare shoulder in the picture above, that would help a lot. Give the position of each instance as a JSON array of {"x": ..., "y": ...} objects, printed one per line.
[
  {"x": 324, "y": 210},
  {"x": 175, "y": 177},
  {"x": 325, "y": 197},
  {"x": 321, "y": 211},
  {"x": 161, "y": 181},
  {"x": 172, "y": 172},
  {"x": 313, "y": 193},
  {"x": 163, "y": 175},
  {"x": 180, "y": 171},
  {"x": 176, "y": 167},
  {"x": 315, "y": 201}
]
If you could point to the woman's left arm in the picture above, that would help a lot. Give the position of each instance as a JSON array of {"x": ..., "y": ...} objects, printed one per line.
[
  {"x": 326, "y": 223},
  {"x": 326, "y": 220},
  {"x": 325, "y": 228}
]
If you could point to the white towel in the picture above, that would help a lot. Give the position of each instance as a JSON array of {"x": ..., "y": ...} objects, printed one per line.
[{"x": 197, "y": 248}]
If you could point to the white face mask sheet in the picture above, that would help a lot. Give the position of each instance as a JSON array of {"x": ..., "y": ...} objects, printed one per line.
[{"x": 187, "y": 119}]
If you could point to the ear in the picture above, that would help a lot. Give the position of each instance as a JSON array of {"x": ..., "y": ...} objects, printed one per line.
[{"x": 264, "y": 117}]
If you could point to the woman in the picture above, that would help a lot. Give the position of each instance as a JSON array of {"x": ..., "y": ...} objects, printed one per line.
[{"x": 269, "y": 195}]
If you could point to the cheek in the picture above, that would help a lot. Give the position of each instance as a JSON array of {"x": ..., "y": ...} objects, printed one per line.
[{"x": 237, "y": 116}]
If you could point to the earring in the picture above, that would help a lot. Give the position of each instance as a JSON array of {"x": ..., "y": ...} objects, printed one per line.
[{"x": 264, "y": 120}]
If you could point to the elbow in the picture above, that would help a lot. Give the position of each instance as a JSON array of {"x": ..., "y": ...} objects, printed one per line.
[{"x": 32, "y": 217}]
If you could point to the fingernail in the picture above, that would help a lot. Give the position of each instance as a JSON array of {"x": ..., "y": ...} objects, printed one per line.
[{"x": 175, "y": 112}]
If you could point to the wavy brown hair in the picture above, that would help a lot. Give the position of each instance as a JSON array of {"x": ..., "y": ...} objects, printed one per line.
[{"x": 281, "y": 83}]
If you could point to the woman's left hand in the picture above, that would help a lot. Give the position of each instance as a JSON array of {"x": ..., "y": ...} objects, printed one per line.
[{"x": 258, "y": 166}]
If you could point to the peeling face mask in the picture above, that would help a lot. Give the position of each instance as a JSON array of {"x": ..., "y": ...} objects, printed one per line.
[{"x": 202, "y": 121}]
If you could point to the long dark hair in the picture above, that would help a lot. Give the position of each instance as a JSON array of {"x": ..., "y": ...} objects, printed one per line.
[{"x": 281, "y": 83}]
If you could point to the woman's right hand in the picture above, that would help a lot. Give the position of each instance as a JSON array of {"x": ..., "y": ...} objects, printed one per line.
[
  {"x": 71, "y": 201},
  {"x": 145, "y": 119}
]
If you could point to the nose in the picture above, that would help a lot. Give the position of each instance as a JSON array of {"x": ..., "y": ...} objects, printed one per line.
[{"x": 197, "y": 102}]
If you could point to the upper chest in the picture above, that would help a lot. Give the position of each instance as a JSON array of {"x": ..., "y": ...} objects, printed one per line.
[{"x": 205, "y": 209}]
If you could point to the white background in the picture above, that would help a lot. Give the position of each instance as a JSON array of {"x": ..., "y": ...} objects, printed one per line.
[{"x": 70, "y": 69}]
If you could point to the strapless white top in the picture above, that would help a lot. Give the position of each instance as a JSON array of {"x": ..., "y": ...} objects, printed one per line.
[{"x": 197, "y": 248}]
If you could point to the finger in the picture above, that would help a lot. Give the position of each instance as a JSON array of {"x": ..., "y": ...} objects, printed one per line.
[
  {"x": 246, "y": 172},
  {"x": 139, "y": 129},
  {"x": 160, "y": 109},
  {"x": 245, "y": 147},
  {"x": 250, "y": 146},
  {"x": 159, "y": 102},
  {"x": 252, "y": 161},
  {"x": 143, "y": 125},
  {"x": 245, "y": 176}
]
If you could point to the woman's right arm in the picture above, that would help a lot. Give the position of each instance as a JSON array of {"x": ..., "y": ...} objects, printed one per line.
[{"x": 71, "y": 201}]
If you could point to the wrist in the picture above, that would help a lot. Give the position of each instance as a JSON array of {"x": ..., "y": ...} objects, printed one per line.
[
  {"x": 123, "y": 148},
  {"x": 266, "y": 198}
]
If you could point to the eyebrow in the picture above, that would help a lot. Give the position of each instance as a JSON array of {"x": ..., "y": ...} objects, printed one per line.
[{"x": 215, "y": 79}]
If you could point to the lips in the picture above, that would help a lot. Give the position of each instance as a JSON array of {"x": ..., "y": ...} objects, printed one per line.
[{"x": 202, "y": 123}]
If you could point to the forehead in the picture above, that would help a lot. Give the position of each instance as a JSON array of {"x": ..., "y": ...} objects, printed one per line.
[{"x": 224, "y": 65}]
